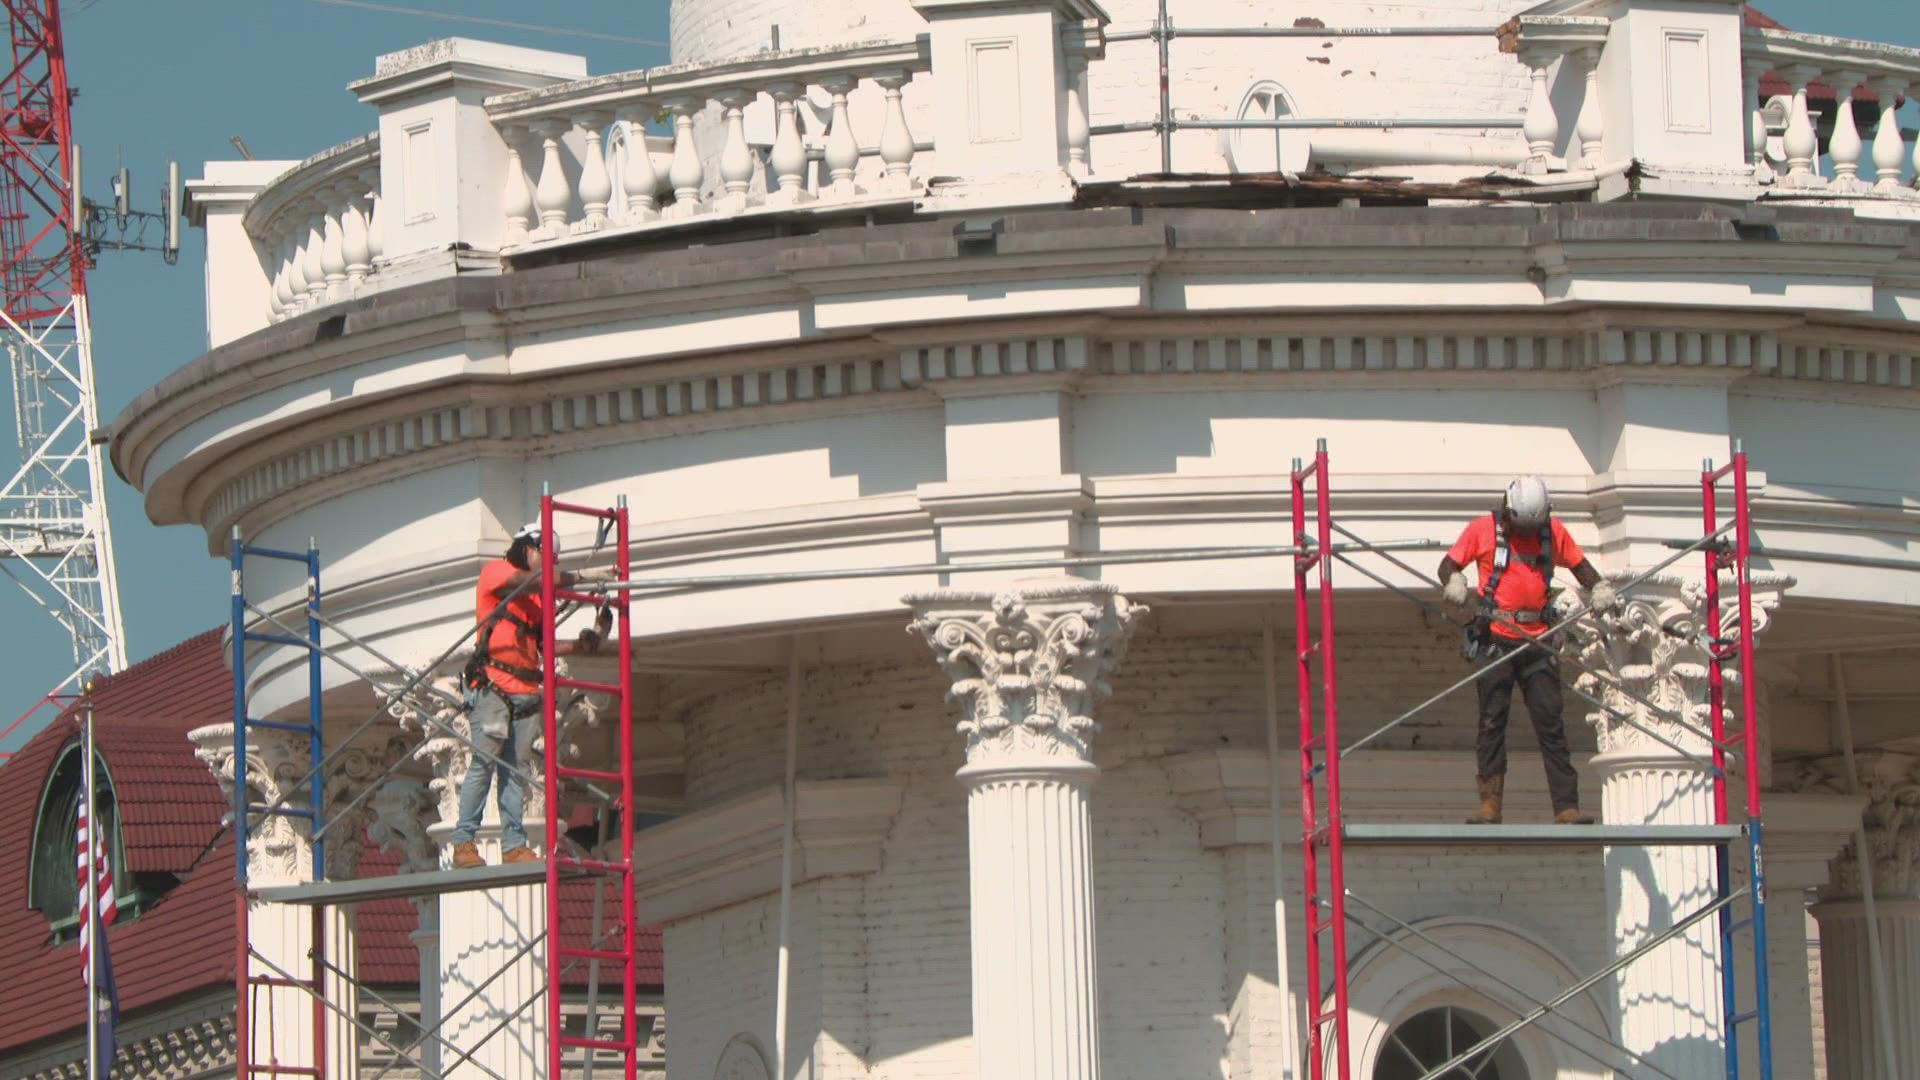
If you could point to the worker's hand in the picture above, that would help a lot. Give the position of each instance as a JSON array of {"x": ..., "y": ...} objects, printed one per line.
[
  {"x": 1455, "y": 590},
  {"x": 603, "y": 622},
  {"x": 1603, "y": 599}
]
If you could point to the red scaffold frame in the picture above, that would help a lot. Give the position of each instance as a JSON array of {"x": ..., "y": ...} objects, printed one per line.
[
  {"x": 551, "y": 683},
  {"x": 1325, "y": 840}
]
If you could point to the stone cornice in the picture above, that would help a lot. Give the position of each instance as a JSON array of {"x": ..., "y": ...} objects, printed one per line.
[
  {"x": 725, "y": 854},
  {"x": 287, "y": 464},
  {"x": 1491, "y": 244}
]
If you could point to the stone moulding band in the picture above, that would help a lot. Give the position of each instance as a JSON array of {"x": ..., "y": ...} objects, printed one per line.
[{"x": 665, "y": 407}]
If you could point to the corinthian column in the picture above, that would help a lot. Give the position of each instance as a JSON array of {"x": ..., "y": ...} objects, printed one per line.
[
  {"x": 1855, "y": 1041},
  {"x": 1670, "y": 999},
  {"x": 1027, "y": 665},
  {"x": 279, "y": 852}
]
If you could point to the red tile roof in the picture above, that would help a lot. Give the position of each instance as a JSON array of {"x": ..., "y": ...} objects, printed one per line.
[{"x": 170, "y": 808}]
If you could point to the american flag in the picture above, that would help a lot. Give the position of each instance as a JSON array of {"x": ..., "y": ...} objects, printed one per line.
[{"x": 97, "y": 972}]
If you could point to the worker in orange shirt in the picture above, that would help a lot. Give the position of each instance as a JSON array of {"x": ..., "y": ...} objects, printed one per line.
[
  {"x": 1516, "y": 549},
  {"x": 503, "y": 694}
]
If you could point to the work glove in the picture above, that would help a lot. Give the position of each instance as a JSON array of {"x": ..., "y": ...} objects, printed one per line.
[
  {"x": 1455, "y": 590},
  {"x": 1603, "y": 599},
  {"x": 603, "y": 622}
]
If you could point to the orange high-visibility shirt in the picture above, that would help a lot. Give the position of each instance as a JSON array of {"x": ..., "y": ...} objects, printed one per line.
[
  {"x": 507, "y": 642},
  {"x": 1522, "y": 588}
]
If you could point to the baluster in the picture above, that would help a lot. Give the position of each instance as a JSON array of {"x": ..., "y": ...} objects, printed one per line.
[
  {"x": 516, "y": 199},
  {"x": 896, "y": 141},
  {"x": 1802, "y": 143},
  {"x": 333, "y": 255},
  {"x": 736, "y": 160},
  {"x": 1591, "y": 126},
  {"x": 641, "y": 181},
  {"x": 353, "y": 237},
  {"x": 686, "y": 172},
  {"x": 296, "y": 270},
  {"x": 788, "y": 161},
  {"x": 285, "y": 293},
  {"x": 1889, "y": 149},
  {"x": 1079, "y": 127},
  {"x": 843, "y": 151},
  {"x": 314, "y": 262},
  {"x": 276, "y": 308},
  {"x": 376, "y": 228},
  {"x": 596, "y": 188},
  {"x": 1542, "y": 127},
  {"x": 1844, "y": 144},
  {"x": 1756, "y": 122},
  {"x": 552, "y": 194}
]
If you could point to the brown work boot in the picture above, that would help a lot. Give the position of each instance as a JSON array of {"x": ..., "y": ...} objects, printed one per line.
[
  {"x": 466, "y": 856},
  {"x": 523, "y": 853},
  {"x": 1492, "y": 794},
  {"x": 1573, "y": 815}
]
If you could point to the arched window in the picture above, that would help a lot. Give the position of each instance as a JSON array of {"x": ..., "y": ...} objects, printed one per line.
[
  {"x": 1432, "y": 1037},
  {"x": 53, "y": 880},
  {"x": 1262, "y": 149}
]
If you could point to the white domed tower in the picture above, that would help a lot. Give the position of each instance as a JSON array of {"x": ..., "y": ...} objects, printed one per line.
[{"x": 943, "y": 316}]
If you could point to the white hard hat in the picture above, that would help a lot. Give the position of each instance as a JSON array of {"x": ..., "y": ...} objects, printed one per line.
[
  {"x": 530, "y": 533},
  {"x": 1528, "y": 501}
]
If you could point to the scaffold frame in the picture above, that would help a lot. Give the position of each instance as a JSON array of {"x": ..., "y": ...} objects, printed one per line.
[{"x": 1325, "y": 837}]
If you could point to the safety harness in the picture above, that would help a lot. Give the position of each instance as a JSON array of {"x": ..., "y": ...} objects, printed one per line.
[
  {"x": 1503, "y": 554},
  {"x": 1477, "y": 641},
  {"x": 483, "y": 658}
]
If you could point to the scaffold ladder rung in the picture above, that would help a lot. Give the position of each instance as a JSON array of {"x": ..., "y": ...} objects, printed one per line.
[{"x": 560, "y": 954}]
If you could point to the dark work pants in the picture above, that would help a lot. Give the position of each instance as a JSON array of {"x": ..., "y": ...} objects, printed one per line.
[{"x": 1538, "y": 673}]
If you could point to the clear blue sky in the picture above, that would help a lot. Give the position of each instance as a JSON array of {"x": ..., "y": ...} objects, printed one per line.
[{"x": 177, "y": 78}]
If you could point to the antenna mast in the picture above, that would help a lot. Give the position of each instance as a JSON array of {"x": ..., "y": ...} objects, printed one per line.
[{"x": 54, "y": 543}]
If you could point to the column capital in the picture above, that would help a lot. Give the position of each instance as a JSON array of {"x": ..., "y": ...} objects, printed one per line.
[
  {"x": 276, "y": 764},
  {"x": 402, "y": 811},
  {"x": 1027, "y": 664},
  {"x": 1654, "y": 648},
  {"x": 1890, "y": 782}
]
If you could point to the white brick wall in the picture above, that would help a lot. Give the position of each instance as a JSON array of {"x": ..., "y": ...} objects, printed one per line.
[{"x": 881, "y": 963}]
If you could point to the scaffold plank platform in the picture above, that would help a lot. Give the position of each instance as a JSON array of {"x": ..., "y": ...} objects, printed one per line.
[
  {"x": 424, "y": 883},
  {"x": 1542, "y": 835}
]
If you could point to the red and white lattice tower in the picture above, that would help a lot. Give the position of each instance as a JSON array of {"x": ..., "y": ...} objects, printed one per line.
[{"x": 53, "y": 510}]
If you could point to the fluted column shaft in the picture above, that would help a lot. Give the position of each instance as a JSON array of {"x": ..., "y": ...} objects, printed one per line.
[
  {"x": 1027, "y": 665},
  {"x": 1854, "y": 1050},
  {"x": 1670, "y": 1000}
]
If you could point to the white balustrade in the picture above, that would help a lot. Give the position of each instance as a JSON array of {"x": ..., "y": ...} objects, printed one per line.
[
  {"x": 1542, "y": 127},
  {"x": 736, "y": 158},
  {"x": 516, "y": 197},
  {"x": 639, "y": 181},
  {"x": 1802, "y": 142},
  {"x": 629, "y": 192},
  {"x": 376, "y": 226},
  {"x": 1844, "y": 145},
  {"x": 333, "y": 257},
  {"x": 313, "y": 260},
  {"x": 1889, "y": 150},
  {"x": 788, "y": 159},
  {"x": 1079, "y": 122},
  {"x": 1590, "y": 128},
  {"x": 596, "y": 187},
  {"x": 552, "y": 194},
  {"x": 355, "y": 247},
  {"x": 686, "y": 172}
]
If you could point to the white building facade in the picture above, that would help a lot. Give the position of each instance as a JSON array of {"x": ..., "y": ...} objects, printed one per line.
[{"x": 942, "y": 281}]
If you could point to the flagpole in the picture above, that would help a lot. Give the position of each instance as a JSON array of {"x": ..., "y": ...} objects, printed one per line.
[{"x": 90, "y": 896}]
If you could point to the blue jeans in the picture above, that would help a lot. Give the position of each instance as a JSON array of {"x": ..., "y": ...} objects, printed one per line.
[{"x": 508, "y": 735}]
